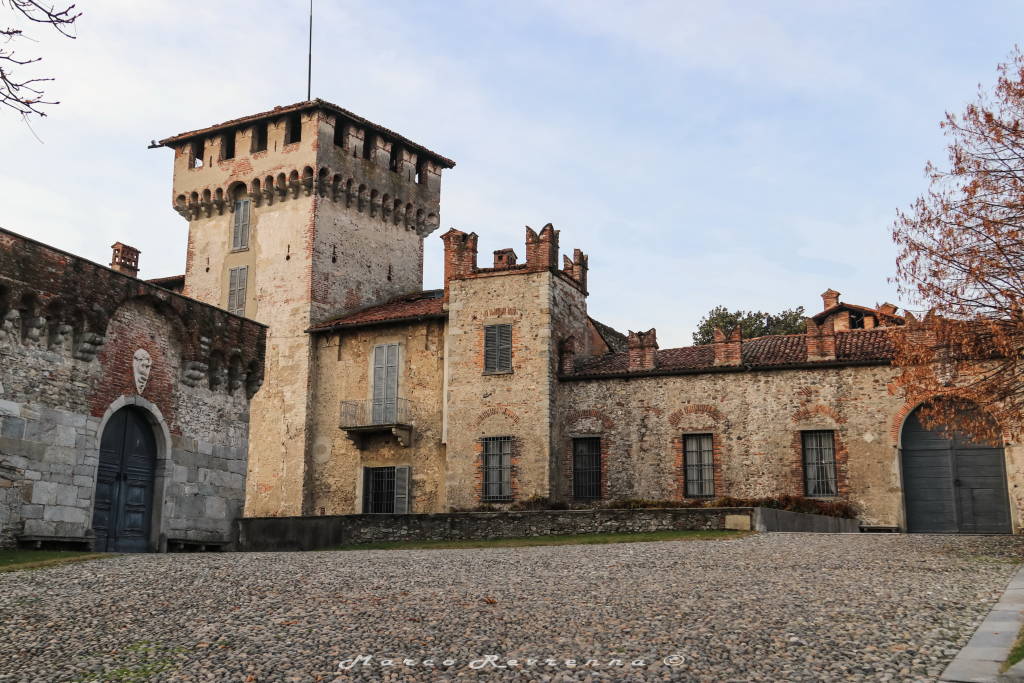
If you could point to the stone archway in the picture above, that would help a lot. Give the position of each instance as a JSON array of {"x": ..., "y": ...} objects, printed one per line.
[{"x": 951, "y": 483}]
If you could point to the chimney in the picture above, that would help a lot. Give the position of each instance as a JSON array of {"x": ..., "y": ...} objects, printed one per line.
[
  {"x": 643, "y": 347},
  {"x": 505, "y": 258},
  {"x": 728, "y": 347},
  {"x": 577, "y": 267},
  {"x": 830, "y": 298},
  {"x": 887, "y": 309},
  {"x": 542, "y": 248},
  {"x": 459, "y": 256},
  {"x": 125, "y": 259},
  {"x": 567, "y": 356},
  {"x": 821, "y": 341}
]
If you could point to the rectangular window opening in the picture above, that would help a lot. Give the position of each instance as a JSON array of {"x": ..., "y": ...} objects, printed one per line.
[
  {"x": 385, "y": 384},
  {"x": 240, "y": 232},
  {"x": 237, "y": 280},
  {"x": 497, "y": 349},
  {"x": 379, "y": 490},
  {"x": 293, "y": 129},
  {"x": 699, "y": 463},
  {"x": 339, "y": 133},
  {"x": 227, "y": 145},
  {"x": 259, "y": 137},
  {"x": 497, "y": 469},
  {"x": 586, "y": 468},
  {"x": 197, "y": 152},
  {"x": 819, "y": 455}
]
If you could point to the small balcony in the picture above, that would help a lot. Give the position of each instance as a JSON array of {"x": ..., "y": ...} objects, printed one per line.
[{"x": 377, "y": 416}]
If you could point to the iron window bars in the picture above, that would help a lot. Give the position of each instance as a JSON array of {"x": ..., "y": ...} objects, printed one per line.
[
  {"x": 497, "y": 465},
  {"x": 699, "y": 464},
  {"x": 819, "y": 463},
  {"x": 586, "y": 468}
]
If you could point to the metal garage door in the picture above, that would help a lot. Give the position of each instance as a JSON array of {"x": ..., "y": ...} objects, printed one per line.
[{"x": 952, "y": 485}]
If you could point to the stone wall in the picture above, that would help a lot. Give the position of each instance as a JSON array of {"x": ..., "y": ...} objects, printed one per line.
[
  {"x": 344, "y": 373},
  {"x": 755, "y": 419},
  {"x": 311, "y": 533},
  {"x": 70, "y": 336}
]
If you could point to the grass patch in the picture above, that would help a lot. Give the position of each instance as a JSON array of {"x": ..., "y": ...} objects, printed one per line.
[
  {"x": 577, "y": 539},
  {"x": 16, "y": 560},
  {"x": 1016, "y": 654}
]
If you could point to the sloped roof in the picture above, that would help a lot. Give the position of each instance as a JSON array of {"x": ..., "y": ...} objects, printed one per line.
[
  {"x": 315, "y": 103},
  {"x": 821, "y": 317},
  {"x": 761, "y": 352},
  {"x": 406, "y": 308},
  {"x": 615, "y": 340}
]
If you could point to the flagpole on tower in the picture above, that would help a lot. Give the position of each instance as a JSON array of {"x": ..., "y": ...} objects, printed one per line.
[{"x": 309, "y": 63}]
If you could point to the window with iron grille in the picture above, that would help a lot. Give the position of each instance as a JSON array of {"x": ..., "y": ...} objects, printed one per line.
[
  {"x": 497, "y": 348},
  {"x": 240, "y": 233},
  {"x": 699, "y": 464},
  {"x": 586, "y": 468},
  {"x": 237, "y": 281},
  {"x": 497, "y": 466},
  {"x": 819, "y": 463},
  {"x": 386, "y": 490}
]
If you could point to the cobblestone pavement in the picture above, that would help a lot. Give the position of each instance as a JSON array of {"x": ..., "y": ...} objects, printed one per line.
[{"x": 767, "y": 607}]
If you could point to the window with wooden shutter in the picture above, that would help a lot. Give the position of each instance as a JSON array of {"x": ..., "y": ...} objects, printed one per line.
[
  {"x": 402, "y": 478},
  {"x": 497, "y": 348},
  {"x": 699, "y": 464},
  {"x": 385, "y": 383},
  {"x": 240, "y": 234},
  {"x": 237, "y": 280},
  {"x": 386, "y": 490}
]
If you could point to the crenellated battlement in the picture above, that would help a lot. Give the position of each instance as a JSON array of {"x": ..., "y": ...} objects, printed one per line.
[
  {"x": 304, "y": 149},
  {"x": 460, "y": 255}
]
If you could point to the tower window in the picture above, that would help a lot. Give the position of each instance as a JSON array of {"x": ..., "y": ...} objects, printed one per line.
[
  {"x": 368, "y": 144},
  {"x": 293, "y": 129},
  {"x": 339, "y": 133},
  {"x": 240, "y": 233},
  {"x": 237, "y": 281},
  {"x": 497, "y": 349},
  {"x": 259, "y": 137},
  {"x": 197, "y": 152},
  {"x": 227, "y": 145}
]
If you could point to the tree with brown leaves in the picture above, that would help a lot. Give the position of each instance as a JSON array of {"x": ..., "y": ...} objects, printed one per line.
[
  {"x": 961, "y": 256},
  {"x": 26, "y": 95}
]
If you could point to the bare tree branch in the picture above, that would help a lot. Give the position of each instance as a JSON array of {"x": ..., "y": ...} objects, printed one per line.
[{"x": 26, "y": 95}]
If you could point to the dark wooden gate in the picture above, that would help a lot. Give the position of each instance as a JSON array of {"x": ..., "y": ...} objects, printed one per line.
[
  {"x": 952, "y": 485},
  {"x": 124, "y": 483}
]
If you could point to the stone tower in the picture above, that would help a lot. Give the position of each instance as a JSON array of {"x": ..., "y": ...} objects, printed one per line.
[{"x": 298, "y": 214}]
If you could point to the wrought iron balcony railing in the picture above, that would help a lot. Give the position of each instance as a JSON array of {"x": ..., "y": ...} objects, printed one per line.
[{"x": 375, "y": 413}]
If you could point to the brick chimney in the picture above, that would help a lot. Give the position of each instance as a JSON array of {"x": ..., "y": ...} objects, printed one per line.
[
  {"x": 643, "y": 347},
  {"x": 505, "y": 258},
  {"x": 459, "y": 255},
  {"x": 821, "y": 341},
  {"x": 125, "y": 259},
  {"x": 542, "y": 248},
  {"x": 830, "y": 298},
  {"x": 728, "y": 347},
  {"x": 887, "y": 309}
]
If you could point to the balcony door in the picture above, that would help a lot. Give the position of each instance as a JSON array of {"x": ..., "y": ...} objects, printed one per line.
[{"x": 385, "y": 384}]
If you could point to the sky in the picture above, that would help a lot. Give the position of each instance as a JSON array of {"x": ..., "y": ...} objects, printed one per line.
[{"x": 745, "y": 154}]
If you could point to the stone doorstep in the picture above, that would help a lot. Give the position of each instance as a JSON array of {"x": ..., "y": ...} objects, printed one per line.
[{"x": 980, "y": 660}]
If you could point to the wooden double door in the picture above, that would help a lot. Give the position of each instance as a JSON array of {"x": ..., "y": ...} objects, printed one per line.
[{"x": 123, "y": 507}]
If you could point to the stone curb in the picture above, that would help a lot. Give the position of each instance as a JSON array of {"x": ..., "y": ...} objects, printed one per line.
[{"x": 980, "y": 660}]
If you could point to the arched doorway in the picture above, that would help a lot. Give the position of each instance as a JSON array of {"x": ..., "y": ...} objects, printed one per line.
[
  {"x": 951, "y": 483},
  {"x": 123, "y": 506}
]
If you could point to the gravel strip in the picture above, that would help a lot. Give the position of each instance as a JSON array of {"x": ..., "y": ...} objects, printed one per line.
[{"x": 767, "y": 607}]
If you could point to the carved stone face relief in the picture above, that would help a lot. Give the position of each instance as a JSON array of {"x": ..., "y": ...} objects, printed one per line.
[{"x": 141, "y": 363}]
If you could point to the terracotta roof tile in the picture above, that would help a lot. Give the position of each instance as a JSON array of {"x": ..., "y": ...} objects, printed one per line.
[
  {"x": 315, "y": 103},
  {"x": 427, "y": 304},
  {"x": 780, "y": 351}
]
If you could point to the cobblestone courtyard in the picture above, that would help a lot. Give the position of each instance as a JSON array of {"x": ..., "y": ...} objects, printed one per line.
[{"x": 764, "y": 607}]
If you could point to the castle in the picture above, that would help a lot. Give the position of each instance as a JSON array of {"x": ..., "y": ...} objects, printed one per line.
[
  {"x": 382, "y": 397},
  {"x": 299, "y": 368}
]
